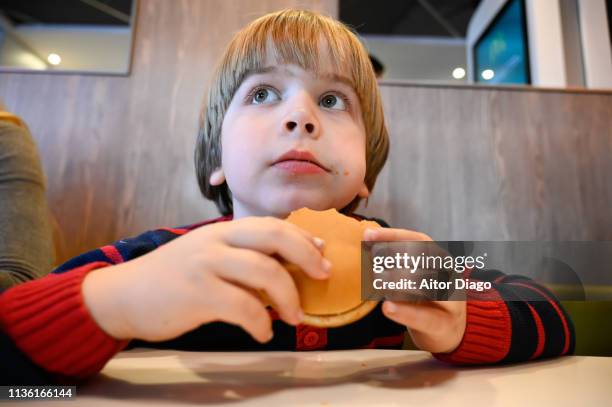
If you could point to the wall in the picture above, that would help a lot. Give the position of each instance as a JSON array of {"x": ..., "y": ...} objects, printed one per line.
[
  {"x": 595, "y": 40},
  {"x": 470, "y": 163},
  {"x": 418, "y": 59}
]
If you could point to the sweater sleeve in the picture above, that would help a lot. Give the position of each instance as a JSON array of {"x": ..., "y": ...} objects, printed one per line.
[
  {"x": 26, "y": 243},
  {"x": 504, "y": 327},
  {"x": 35, "y": 316},
  {"x": 46, "y": 320}
]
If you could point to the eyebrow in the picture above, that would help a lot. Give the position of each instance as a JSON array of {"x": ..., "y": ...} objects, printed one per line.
[{"x": 329, "y": 77}]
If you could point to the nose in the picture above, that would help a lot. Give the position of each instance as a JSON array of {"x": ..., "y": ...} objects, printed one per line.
[
  {"x": 302, "y": 121},
  {"x": 291, "y": 125}
]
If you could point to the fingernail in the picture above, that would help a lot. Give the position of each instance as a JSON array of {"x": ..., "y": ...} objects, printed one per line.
[
  {"x": 270, "y": 336},
  {"x": 369, "y": 234},
  {"x": 300, "y": 316},
  {"x": 319, "y": 242},
  {"x": 390, "y": 307},
  {"x": 326, "y": 265}
]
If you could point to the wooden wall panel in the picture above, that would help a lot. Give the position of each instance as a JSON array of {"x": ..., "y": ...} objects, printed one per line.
[
  {"x": 118, "y": 151},
  {"x": 497, "y": 164}
]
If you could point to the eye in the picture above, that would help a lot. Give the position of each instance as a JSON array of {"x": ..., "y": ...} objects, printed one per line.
[
  {"x": 263, "y": 95},
  {"x": 331, "y": 101}
]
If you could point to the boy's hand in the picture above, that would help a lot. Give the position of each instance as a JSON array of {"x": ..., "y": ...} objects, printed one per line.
[
  {"x": 435, "y": 326},
  {"x": 214, "y": 273}
]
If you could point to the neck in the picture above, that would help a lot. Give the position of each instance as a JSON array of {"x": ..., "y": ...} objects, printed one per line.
[{"x": 243, "y": 211}]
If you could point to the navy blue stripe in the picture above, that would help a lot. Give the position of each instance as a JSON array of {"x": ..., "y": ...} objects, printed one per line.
[
  {"x": 551, "y": 322},
  {"x": 81, "y": 260},
  {"x": 524, "y": 338}
]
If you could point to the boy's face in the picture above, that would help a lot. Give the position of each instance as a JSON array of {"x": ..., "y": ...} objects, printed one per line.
[{"x": 291, "y": 139}]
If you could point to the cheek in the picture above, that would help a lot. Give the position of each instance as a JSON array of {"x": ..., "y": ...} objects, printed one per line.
[
  {"x": 358, "y": 171},
  {"x": 242, "y": 149},
  {"x": 247, "y": 129},
  {"x": 232, "y": 147},
  {"x": 352, "y": 153}
]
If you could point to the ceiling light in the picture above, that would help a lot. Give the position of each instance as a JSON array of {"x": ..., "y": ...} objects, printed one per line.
[
  {"x": 458, "y": 73},
  {"x": 487, "y": 74},
  {"x": 54, "y": 59}
]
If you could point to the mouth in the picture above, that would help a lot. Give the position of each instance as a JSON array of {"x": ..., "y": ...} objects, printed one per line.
[{"x": 300, "y": 162}]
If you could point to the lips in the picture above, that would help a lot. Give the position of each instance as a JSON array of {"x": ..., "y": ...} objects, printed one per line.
[{"x": 299, "y": 162}]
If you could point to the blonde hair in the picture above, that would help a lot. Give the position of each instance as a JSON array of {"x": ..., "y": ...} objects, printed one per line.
[{"x": 294, "y": 37}]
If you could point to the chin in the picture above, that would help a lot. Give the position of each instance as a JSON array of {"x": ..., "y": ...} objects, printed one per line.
[{"x": 291, "y": 202}]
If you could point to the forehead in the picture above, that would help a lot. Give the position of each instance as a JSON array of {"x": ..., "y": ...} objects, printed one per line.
[{"x": 292, "y": 71}]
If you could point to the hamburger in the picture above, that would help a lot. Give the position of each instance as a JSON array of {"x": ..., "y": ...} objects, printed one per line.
[{"x": 337, "y": 300}]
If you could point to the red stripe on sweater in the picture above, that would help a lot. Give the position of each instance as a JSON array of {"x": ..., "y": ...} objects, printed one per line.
[
  {"x": 540, "y": 330},
  {"x": 386, "y": 341},
  {"x": 488, "y": 331},
  {"x": 175, "y": 231},
  {"x": 54, "y": 327},
  {"x": 499, "y": 279},
  {"x": 182, "y": 231},
  {"x": 209, "y": 221},
  {"x": 112, "y": 254},
  {"x": 557, "y": 309}
]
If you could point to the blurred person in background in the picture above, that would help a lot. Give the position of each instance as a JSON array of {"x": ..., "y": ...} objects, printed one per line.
[
  {"x": 379, "y": 68},
  {"x": 26, "y": 242}
]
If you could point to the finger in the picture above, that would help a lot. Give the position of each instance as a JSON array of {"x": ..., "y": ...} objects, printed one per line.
[
  {"x": 245, "y": 310},
  {"x": 317, "y": 241},
  {"x": 275, "y": 236},
  {"x": 420, "y": 316},
  {"x": 389, "y": 234},
  {"x": 256, "y": 270}
]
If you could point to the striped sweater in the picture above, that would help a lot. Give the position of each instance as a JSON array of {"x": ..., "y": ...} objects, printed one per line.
[{"x": 47, "y": 331}]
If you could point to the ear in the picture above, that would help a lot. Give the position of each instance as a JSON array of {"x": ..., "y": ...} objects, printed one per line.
[
  {"x": 217, "y": 177},
  {"x": 364, "y": 192}
]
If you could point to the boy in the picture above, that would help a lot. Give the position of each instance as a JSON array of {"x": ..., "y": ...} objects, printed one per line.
[{"x": 293, "y": 119}]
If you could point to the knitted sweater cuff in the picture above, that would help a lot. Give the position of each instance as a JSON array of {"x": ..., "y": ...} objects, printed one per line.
[
  {"x": 48, "y": 320},
  {"x": 488, "y": 331}
]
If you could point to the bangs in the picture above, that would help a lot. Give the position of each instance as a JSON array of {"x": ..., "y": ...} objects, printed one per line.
[{"x": 312, "y": 42}]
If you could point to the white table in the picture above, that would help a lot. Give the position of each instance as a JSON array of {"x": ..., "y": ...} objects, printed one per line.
[{"x": 339, "y": 378}]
